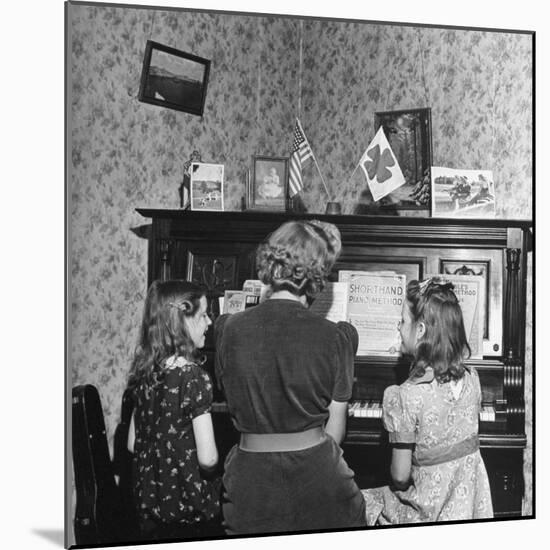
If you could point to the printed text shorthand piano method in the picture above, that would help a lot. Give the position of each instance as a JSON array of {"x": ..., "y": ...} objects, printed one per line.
[{"x": 372, "y": 303}]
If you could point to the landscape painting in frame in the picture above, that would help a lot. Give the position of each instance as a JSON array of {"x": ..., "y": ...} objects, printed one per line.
[
  {"x": 174, "y": 79},
  {"x": 206, "y": 186},
  {"x": 462, "y": 193},
  {"x": 409, "y": 134}
]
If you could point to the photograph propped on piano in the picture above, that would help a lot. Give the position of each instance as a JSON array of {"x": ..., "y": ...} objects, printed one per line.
[{"x": 234, "y": 371}]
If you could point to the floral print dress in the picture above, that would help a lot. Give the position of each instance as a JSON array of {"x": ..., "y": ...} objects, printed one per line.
[
  {"x": 449, "y": 480},
  {"x": 169, "y": 485}
]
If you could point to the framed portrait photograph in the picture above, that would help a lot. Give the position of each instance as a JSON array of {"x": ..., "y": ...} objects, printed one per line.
[
  {"x": 409, "y": 134},
  {"x": 268, "y": 188},
  {"x": 206, "y": 184},
  {"x": 174, "y": 79}
]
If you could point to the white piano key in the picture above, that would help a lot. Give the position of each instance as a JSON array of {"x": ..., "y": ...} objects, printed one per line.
[
  {"x": 368, "y": 409},
  {"x": 372, "y": 409}
]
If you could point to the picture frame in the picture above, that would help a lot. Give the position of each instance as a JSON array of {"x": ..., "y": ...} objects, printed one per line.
[
  {"x": 469, "y": 267},
  {"x": 185, "y": 186},
  {"x": 490, "y": 265},
  {"x": 268, "y": 188},
  {"x": 174, "y": 79},
  {"x": 206, "y": 183},
  {"x": 409, "y": 133},
  {"x": 462, "y": 193}
]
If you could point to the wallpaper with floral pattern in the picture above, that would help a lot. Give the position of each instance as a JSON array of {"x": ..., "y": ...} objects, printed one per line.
[
  {"x": 477, "y": 84},
  {"x": 125, "y": 154}
]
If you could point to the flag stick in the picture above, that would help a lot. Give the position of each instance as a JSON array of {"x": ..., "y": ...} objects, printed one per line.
[
  {"x": 322, "y": 179},
  {"x": 354, "y": 170},
  {"x": 353, "y": 173},
  {"x": 314, "y": 158}
]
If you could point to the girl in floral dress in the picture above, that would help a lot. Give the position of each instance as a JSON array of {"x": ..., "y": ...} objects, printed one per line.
[
  {"x": 171, "y": 433},
  {"x": 437, "y": 470}
]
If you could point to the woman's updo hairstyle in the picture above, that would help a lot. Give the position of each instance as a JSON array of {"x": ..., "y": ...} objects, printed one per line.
[{"x": 298, "y": 257}]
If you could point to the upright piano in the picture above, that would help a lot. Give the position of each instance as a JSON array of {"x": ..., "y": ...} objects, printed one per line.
[{"x": 217, "y": 251}]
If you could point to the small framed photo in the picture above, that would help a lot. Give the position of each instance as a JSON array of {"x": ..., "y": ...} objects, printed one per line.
[
  {"x": 206, "y": 186},
  {"x": 409, "y": 134},
  {"x": 462, "y": 193},
  {"x": 268, "y": 189},
  {"x": 173, "y": 79}
]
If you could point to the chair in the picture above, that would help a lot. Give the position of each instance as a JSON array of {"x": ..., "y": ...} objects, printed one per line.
[
  {"x": 123, "y": 463},
  {"x": 99, "y": 516}
]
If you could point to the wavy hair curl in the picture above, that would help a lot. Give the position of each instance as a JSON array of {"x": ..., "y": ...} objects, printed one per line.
[
  {"x": 298, "y": 257},
  {"x": 444, "y": 345},
  {"x": 163, "y": 330}
]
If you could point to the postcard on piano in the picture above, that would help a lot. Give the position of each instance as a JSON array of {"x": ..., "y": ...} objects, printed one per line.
[
  {"x": 462, "y": 193},
  {"x": 375, "y": 300},
  {"x": 254, "y": 286},
  {"x": 238, "y": 300},
  {"x": 470, "y": 291}
]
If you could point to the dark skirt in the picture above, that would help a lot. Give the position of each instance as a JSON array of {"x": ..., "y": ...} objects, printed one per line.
[
  {"x": 158, "y": 531},
  {"x": 312, "y": 489}
]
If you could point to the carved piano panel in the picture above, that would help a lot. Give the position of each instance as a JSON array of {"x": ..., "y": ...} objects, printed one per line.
[{"x": 217, "y": 251}]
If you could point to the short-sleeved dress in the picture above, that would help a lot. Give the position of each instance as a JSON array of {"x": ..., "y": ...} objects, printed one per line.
[
  {"x": 169, "y": 486},
  {"x": 449, "y": 480},
  {"x": 280, "y": 367}
]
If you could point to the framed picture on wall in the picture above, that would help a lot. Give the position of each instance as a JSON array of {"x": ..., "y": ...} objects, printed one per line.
[
  {"x": 409, "y": 134},
  {"x": 206, "y": 186},
  {"x": 268, "y": 189},
  {"x": 173, "y": 79}
]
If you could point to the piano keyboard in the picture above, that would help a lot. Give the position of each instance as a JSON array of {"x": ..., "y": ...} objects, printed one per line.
[
  {"x": 487, "y": 414},
  {"x": 365, "y": 409},
  {"x": 369, "y": 408},
  {"x": 373, "y": 409}
]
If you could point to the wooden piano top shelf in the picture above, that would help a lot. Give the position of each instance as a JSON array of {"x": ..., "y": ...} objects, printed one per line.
[
  {"x": 343, "y": 219},
  {"x": 250, "y": 226}
]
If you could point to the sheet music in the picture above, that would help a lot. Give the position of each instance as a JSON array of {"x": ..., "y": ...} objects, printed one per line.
[{"x": 375, "y": 301}]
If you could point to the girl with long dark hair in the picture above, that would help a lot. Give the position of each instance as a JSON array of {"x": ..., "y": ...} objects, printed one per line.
[{"x": 174, "y": 447}]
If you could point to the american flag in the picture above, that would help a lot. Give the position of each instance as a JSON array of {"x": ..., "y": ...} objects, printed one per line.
[{"x": 301, "y": 151}]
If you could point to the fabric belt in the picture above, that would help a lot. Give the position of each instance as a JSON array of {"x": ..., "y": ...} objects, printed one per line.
[
  {"x": 282, "y": 442},
  {"x": 439, "y": 456}
]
